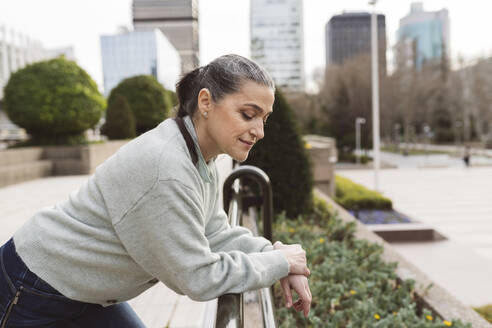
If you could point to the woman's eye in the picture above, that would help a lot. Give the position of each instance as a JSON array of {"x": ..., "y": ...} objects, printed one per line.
[{"x": 246, "y": 116}]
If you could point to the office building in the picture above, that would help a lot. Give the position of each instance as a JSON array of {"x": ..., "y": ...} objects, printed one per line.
[
  {"x": 429, "y": 33},
  {"x": 348, "y": 35},
  {"x": 178, "y": 20},
  {"x": 134, "y": 53},
  {"x": 277, "y": 41}
]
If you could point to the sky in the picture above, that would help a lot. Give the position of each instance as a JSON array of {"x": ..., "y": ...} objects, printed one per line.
[{"x": 224, "y": 26}]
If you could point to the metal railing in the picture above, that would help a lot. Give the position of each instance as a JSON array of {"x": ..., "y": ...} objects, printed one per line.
[{"x": 230, "y": 308}]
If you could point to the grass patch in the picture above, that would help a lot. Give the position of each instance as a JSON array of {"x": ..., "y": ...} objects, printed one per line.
[{"x": 401, "y": 151}]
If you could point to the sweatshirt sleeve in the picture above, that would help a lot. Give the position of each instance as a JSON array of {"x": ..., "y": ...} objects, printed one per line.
[
  {"x": 224, "y": 238},
  {"x": 165, "y": 234}
]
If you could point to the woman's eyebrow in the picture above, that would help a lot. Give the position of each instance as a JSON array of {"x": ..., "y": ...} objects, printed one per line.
[{"x": 256, "y": 107}]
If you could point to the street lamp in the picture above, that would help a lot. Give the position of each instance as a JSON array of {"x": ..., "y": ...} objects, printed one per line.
[
  {"x": 375, "y": 94},
  {"x": 358, "y": 122}
]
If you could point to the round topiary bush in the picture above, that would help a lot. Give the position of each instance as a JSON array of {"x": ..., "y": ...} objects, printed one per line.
[
  {"x": 120, "y": 123},
  {"x": 55, "y": 101},
  {"x": 148, "y": 100},
  {"x": 281, "y": 154}
]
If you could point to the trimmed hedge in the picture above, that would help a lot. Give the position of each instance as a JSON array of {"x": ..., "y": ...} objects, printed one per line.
[
  {"x": 351, "y": 158},
  {"x": 485, "y": 312},
  {"x": 350, "y": 283},
  {"x": 55, "y": 101},
  {"x": 282, "y": 156},
  {"x": 353, "y": 196},
  {"x": 120, "y": 123},
  {"x": 148, "y": 100}
]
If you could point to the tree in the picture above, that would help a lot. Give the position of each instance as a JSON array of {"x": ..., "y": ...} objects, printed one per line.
[
  {"x": 148, "y": 100},
  {"x": 120, "y": 123},
  {"x": 282, "y": 156},
  {"x": 346, "y": 95},
  {"x": 54, "y": 100}
]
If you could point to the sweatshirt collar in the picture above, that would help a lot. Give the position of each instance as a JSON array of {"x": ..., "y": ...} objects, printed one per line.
[{"x": 204, "y": 169}]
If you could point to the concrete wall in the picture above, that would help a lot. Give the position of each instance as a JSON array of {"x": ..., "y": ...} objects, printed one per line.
[
  {"x": 323, "y": 154},
  {"x": 22, "y": 164},
  {"x": 71, "y": 160}
]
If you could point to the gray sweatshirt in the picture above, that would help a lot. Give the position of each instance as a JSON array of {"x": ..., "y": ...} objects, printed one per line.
[{"x": 146, "y": 213}]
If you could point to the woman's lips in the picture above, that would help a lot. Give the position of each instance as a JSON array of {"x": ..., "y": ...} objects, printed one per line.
[{"x": 249, "y": 143}]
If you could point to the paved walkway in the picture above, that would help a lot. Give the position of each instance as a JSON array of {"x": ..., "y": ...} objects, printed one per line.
[
  {"x": 458, "y": 203},
  {"x": 158, "y": 307}
]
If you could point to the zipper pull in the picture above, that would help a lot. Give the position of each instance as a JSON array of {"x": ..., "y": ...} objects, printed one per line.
[{"x": 16, "y": 298}]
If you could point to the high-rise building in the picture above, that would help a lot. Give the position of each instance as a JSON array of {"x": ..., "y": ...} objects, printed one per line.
[
  {"x": 277, "y": 41},
  {"x": 349, "y": 35},
  {"x": 139, "y": 52},
  {"x": 428, "y": 31},
  {"x": 178, "y": 20}
]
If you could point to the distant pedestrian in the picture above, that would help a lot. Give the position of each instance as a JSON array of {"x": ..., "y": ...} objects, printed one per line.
[{"x": 466, "y": 156}]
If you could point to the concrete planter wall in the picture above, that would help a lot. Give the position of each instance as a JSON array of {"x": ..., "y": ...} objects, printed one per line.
[
  {"x": 23, "y": 164},
  {"x": 323, "y": 154},
  {"x": 435, "y": 298},
  {"x": 72, "y": 160}
]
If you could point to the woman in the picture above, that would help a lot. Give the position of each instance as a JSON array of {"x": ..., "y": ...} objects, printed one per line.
[{"x": 150, "y": 213}]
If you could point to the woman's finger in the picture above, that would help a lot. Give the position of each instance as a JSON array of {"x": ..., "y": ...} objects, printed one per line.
[
  {"x": 308, "y": 290},
  {"x": 284, "y": 282}
]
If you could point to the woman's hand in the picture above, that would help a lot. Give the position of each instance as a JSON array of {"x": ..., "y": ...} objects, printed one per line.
[
  {"x": 300, "y": 284},
  {"x": 296, "y": 257}
]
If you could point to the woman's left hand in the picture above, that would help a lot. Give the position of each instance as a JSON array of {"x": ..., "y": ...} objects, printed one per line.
[{"x": 300, "y": 284}]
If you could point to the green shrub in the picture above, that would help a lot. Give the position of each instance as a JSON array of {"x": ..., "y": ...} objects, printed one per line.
[
  {"x": 350, "y": 157},
  {"x": 353, "y": 196},
  {"x": 54, "y": 100},
  {"x": 120, "y": 123},
  {"x": 350, "y": 283},
  {"x": 173, "y": 97},
  {"x": 148, "y": 100},
  {"x": 485, "y": 312},
  {"x": 282, "y": 156}
]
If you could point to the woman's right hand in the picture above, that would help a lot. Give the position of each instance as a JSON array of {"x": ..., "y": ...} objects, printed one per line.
[{"x": 296, "y": 256}]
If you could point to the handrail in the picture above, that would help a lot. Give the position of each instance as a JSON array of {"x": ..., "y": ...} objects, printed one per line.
[
  {"x": 262, "y": 179},
  {"x": 230, "y": 309}
]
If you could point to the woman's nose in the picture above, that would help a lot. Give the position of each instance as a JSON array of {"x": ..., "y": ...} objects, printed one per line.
[{"x": 257, "y": 131}]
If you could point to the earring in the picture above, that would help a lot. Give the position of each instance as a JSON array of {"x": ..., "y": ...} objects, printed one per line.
[{"x": 205, "y": 114}]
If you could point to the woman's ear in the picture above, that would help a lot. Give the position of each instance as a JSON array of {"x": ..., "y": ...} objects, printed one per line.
[{"x": 204, "y": 101}]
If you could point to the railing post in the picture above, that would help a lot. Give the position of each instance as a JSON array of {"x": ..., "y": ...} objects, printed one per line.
[{"x": 261, "y": 178}]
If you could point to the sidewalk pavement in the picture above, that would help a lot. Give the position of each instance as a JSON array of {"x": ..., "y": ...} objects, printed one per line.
[
  {"x": 157, "y": 307},
  {"x": 456, "y": 202}
]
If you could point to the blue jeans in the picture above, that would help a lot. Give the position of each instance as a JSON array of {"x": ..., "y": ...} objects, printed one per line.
[{"x": 28, "y": 301}]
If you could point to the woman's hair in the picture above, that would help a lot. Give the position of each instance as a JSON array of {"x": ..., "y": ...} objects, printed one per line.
[{"x": 222, "y": 76}]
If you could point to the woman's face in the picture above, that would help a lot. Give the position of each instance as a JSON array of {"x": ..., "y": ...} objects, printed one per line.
[{"x": 235, "y": 123}]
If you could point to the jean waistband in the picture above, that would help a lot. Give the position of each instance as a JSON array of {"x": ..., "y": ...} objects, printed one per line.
[{"x": 13, "y": 266}]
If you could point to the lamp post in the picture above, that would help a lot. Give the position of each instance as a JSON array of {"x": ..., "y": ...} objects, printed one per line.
[
  {"x": 428, "y": 134},
  {"x": 375, "y": 94},
  {"x": 358, "y": 122}
]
